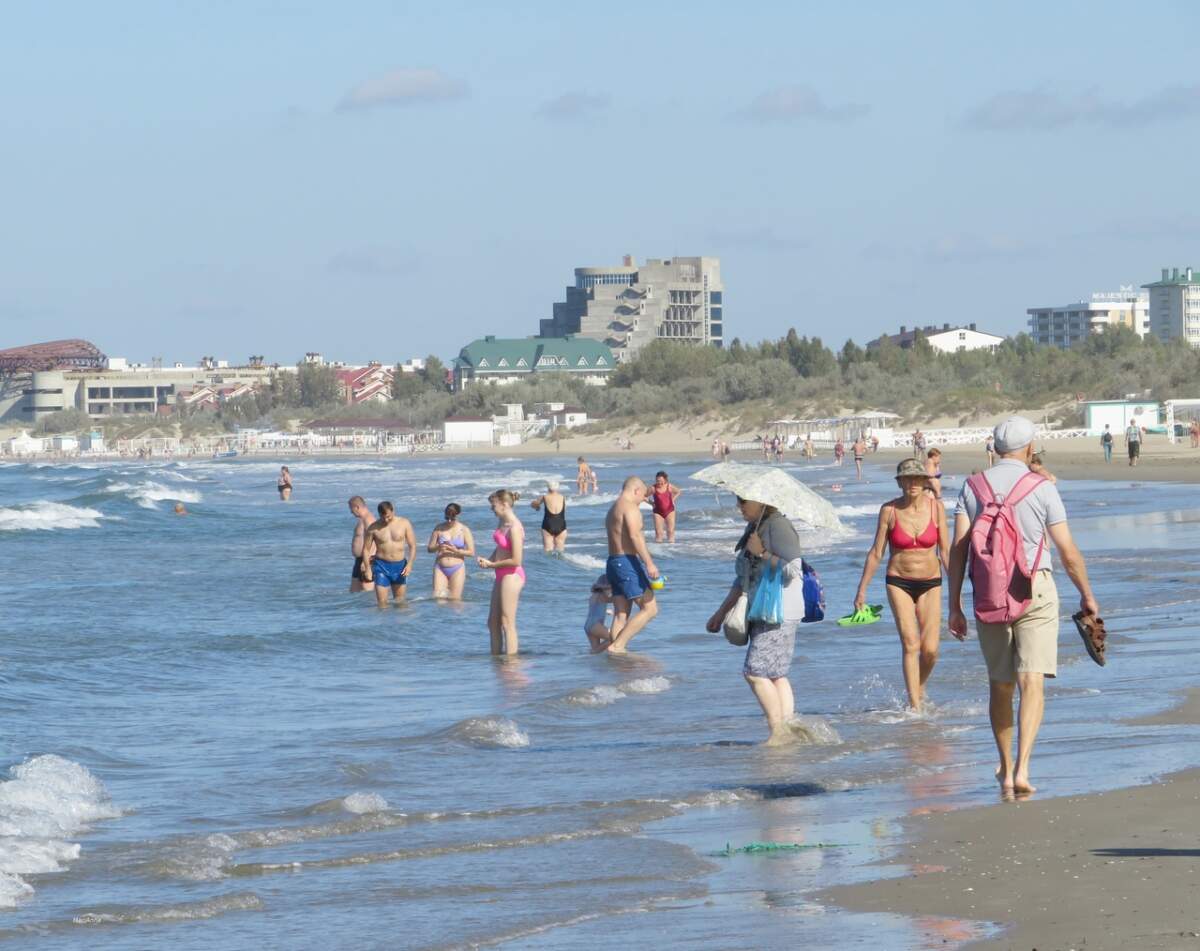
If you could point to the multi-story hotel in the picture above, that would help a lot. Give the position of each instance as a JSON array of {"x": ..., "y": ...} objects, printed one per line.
[
  {"x": 1063, "y": 326},
  {"x": 1175, "y": 305},
  {"x": 628, "y": 306}
]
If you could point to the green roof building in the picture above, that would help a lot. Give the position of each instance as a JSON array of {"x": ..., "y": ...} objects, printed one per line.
[{"x": 506, "y": 360}]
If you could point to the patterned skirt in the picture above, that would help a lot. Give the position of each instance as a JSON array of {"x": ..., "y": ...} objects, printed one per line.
[{"x": 771, "y": 648}]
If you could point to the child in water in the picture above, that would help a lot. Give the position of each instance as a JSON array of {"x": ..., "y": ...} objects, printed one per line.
[{"x": 596, "y": 625}]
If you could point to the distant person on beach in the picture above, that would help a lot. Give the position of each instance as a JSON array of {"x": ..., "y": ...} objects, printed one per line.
[
  {"x": 1133, "y": 442},
  {"x": 913, "y": 528},
  {"x": 284, "y": 484},
  {"x": 860, "y": 450},
  {"x": 630, "y": 567},
  {"x": 989, "y": 447},
  {"x": 725, "y": 450},
  {"x": 583, "y": 477},
  {"x": 933, "y": 469},
  {"x": 594, "y": 480},
  {"x": 553, "y": 506},
  {"x": 1036, "y": 465},
  {"x": 392, "y": 549},
  {"x": 358, "y": 544},
  {"x": 769, "y": 543},
  {"x": 1194, "y": 429},
  {"x": 810, "y": 451},
  {"x": 839, "y": 452},
  {"x": 918, "y": 443},
  {"x": 874, "y": 443},
  {"x": 662, "y": 501},
  {"x": 1106, "y": 441},
  {"x": 507, "y": 561},
  {"x": 451, "y": 544},
  {"x": 1021, "y": 653},
  {"x": 780, "y": 448},
  {"x": 596, "y": 625},
  {"x": 716, "y": 447}
]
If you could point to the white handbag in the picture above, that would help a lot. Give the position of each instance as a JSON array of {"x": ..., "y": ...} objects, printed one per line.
[{"x": 736, "y": 629}]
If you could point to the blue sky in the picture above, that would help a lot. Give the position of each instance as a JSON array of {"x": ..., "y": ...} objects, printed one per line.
[{"x": 382, "y": 180}]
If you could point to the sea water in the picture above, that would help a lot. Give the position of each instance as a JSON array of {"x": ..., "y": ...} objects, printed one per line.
[{"x": 209, "y": 743}]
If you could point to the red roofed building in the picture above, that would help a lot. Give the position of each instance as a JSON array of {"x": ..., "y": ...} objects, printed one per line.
[{"x": 363, "y": 384}]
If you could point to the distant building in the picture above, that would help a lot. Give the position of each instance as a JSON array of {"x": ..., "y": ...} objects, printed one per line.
[
  {"x": 502, "y": 361},
  {"x": 628, "y": 306},
  {"x": 1175, "y": 306},
  {"x": 1064, "y": 326},
  {"x": 468, "y": 431},
  {"x": 365, "y": 384},
  {"x": 946, "y": 339}
]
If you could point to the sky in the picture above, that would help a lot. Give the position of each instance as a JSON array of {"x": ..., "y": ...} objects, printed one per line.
[{"x": 380, "y": 180}]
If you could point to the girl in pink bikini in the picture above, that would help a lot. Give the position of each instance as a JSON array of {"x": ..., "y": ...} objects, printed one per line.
[{"x": 506, "y": 560}]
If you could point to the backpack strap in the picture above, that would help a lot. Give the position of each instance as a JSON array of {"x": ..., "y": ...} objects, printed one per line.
[
  {"x": 982, "y": 488},
  {"x": 1027, "y": 484}
]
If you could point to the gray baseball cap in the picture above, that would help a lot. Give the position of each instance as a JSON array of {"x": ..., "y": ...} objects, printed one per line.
[{"x": 1014, "y": 433}]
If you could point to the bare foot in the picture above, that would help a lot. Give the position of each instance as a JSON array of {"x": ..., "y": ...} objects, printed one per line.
[
  {"x": 1004, "y": 779},
  {"x": 614, "y": 649},
  {"x": 1021, "y": 783},
  {"x": 599, "y": 645},
  {"x": 780, "y": 737}
]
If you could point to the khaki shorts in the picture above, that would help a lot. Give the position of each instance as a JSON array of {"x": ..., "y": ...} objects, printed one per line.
[{"x": 1030, "y": 644}]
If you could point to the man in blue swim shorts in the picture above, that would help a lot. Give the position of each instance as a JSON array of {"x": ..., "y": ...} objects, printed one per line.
[
  {"x": 388, "y": 554},
  {"x": 630, "y": 566}
]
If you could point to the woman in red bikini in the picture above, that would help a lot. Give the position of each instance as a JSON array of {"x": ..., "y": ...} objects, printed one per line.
[
  {"x": 914, "y": 527},
  {"x": 662, "y": 500}
]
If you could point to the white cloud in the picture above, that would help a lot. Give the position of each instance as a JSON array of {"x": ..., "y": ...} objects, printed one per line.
[
  {"x": 403, "y": 87},
  {"x": 789, "y": 103},
  {"x": 1045, "y": 109},
  {"x": 572, "y": 105}
]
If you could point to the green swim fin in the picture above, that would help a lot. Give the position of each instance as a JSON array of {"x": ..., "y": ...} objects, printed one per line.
[{"x": 868, "y": 615}]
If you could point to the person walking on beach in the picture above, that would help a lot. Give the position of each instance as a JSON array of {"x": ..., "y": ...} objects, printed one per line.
[
  {"x": 860, "y": 450},
  {"x": 358, "y": 543},
  {"x": 769, "y": 543},
  {"x": 914, "y": 529},
  {"x": 662, "y": 500},
  {"x": 918, "y": 443},
  {"x": 584, "y": 476},
  {"x": 630, "y": 567},
  {"x": 933, "y": 469},
  {"x": 839, "y": 452},
  {"x": 451, "y": 544},
  {"x": 810, "y": 451},
  {"x": 1133, "y": 442},
  {"x": 553, "y": 506},
  {"x": 1194, "y": 429},
  {"x": 1106, "y": 441},
  {"x": 507, "y": 561},
  {"x": 284, "y": 484},
  {"x": 391, "y": 549},
  {"x": 989, "y": 447},
  {"x": 1021, "y": 652}
]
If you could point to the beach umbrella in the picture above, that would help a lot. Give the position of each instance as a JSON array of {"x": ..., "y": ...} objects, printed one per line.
[{"x": 774, "y": 487}]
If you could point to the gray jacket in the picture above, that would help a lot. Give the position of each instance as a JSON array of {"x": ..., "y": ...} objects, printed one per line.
[{"x": 779, "y": 538}]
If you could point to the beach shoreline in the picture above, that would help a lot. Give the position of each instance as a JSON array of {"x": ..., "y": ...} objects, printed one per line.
[{"x": 1056, "y": 872}]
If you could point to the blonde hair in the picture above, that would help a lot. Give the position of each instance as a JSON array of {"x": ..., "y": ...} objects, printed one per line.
[{"x": 506, "y": 496}]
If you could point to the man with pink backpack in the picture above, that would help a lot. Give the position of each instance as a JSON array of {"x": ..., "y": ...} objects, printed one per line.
[{"x": 1006, "y": 519}]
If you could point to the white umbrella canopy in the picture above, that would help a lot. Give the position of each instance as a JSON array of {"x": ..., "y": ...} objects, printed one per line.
[{"x": 773, "y": 487}]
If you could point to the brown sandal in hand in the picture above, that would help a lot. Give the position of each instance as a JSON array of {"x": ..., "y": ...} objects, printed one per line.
[{"x": 1091, "y": 629}]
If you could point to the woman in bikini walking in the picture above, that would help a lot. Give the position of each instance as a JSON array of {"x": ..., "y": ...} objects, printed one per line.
[
  {"x": 914, "y": 527},
  {"x": 452, "y": 544},
  {"x": 506, "y": 560}
]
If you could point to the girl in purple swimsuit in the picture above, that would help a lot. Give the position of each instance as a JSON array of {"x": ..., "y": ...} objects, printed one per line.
[{"x": 452, "y": 544}]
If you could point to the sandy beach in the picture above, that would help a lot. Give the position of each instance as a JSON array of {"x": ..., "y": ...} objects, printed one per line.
[{"x": 1118, "y": 869}]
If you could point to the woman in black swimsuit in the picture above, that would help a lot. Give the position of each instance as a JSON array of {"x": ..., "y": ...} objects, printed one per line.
[{"x": 553, "y": 505}]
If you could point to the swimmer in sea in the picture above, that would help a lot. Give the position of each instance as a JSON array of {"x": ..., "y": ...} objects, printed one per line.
[
  {"x": 860, "y": 450},
  {"x": 662, "y": 499},
  {"x": 391, "y": 549},
  {"x": 584, "y": 477},
  {"x": 507, "y": 561},
  {"x": 358, "y": 543},
  {"x": 284, "y": 484},
  {"x": 553, "y": 506},
  {"x": 451, "y": 544},
  {"x": 630, "y": 567},
  {"x": 596, "y": 625},
  {"x": 179, "y": 509}
]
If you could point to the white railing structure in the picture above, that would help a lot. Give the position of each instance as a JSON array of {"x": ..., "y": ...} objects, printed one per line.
[{"x": 978, "y": 434}]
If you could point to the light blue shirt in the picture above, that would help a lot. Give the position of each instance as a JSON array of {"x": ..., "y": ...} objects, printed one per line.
[{"x": 1040, "y": 509}]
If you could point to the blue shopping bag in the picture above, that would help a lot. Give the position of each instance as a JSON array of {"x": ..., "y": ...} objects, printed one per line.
[{"x": 767, "y": 604}]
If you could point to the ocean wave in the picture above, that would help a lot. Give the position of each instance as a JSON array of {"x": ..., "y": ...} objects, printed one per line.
[
  {"x": 186, "y": 911},
  {"x": 855, "y": 511},
  {"x": 599, "y": 498},
  {"x": 647, "y": 685},
  {"x": 586, "y": 562},
  {"x": 48, "y": 800},
  {"x": 46, "y": 516},
  {"x": 490, "y": 731},
  {"x": 148, "y": 492},
  {"x": 363, "y": 803},
  {"x": 599, "y": 696}
]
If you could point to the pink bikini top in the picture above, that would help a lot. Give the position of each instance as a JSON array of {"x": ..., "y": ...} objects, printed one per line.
[{"x": 500, "y": 537}]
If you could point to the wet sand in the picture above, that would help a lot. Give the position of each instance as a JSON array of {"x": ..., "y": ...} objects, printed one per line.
[{"x": 1118, "y": 869}]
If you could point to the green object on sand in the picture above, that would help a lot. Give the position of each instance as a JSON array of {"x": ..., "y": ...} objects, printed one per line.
[
  {"x": 756, "y": 848},
  {"x": 868, "y": 615}
]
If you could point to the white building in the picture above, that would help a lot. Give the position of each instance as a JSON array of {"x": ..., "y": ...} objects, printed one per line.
[
  {"x": 24, "y": 445},
  {"x": 945, "y": 339},
  {"x": 468, "y": 431},
  {"x": 1063, "y": 326},
  {"x": 1175, "y": 306}
]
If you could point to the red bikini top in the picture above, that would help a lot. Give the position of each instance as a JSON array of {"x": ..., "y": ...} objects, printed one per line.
[{"x": 903, "y": 541}]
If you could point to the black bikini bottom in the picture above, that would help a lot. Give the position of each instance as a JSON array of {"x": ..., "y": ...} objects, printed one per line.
[{"x": 914, "y": 587}]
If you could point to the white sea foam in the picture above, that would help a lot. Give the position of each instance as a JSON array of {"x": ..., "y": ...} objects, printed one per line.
[
  {"x": 188, "y": 911},
  {"x": 813, "y": 730},
  {"x": 599, "y": 696},
  {"x": 586, "y": 562},
  {"x": 48, "y": 800},
  {"x": 853, "y": 511},
  {"x": 46, "y": 516},
  {"x": 599, "y": 498},
  {"x": 490, "y": 731},
  {"x": 647, "y": 685},
  {"x": 361, "y": 803},
  {"x": 148, "y": 492}
]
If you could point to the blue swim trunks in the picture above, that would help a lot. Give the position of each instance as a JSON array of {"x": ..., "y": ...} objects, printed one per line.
[
  {"x": 627, "y": 575},
  {"x": 389, "y": 572}
]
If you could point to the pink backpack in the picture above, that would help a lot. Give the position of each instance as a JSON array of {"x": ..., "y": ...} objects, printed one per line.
[{"x": 1000, "y": 577}]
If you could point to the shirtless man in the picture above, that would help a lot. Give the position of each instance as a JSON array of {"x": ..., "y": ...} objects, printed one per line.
[
  {"x": 358, "y": 544},
  {"x": 389, "y": 553},
  {"x": 585, "y": 477},
  {"x": 630, "y": 566}
]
